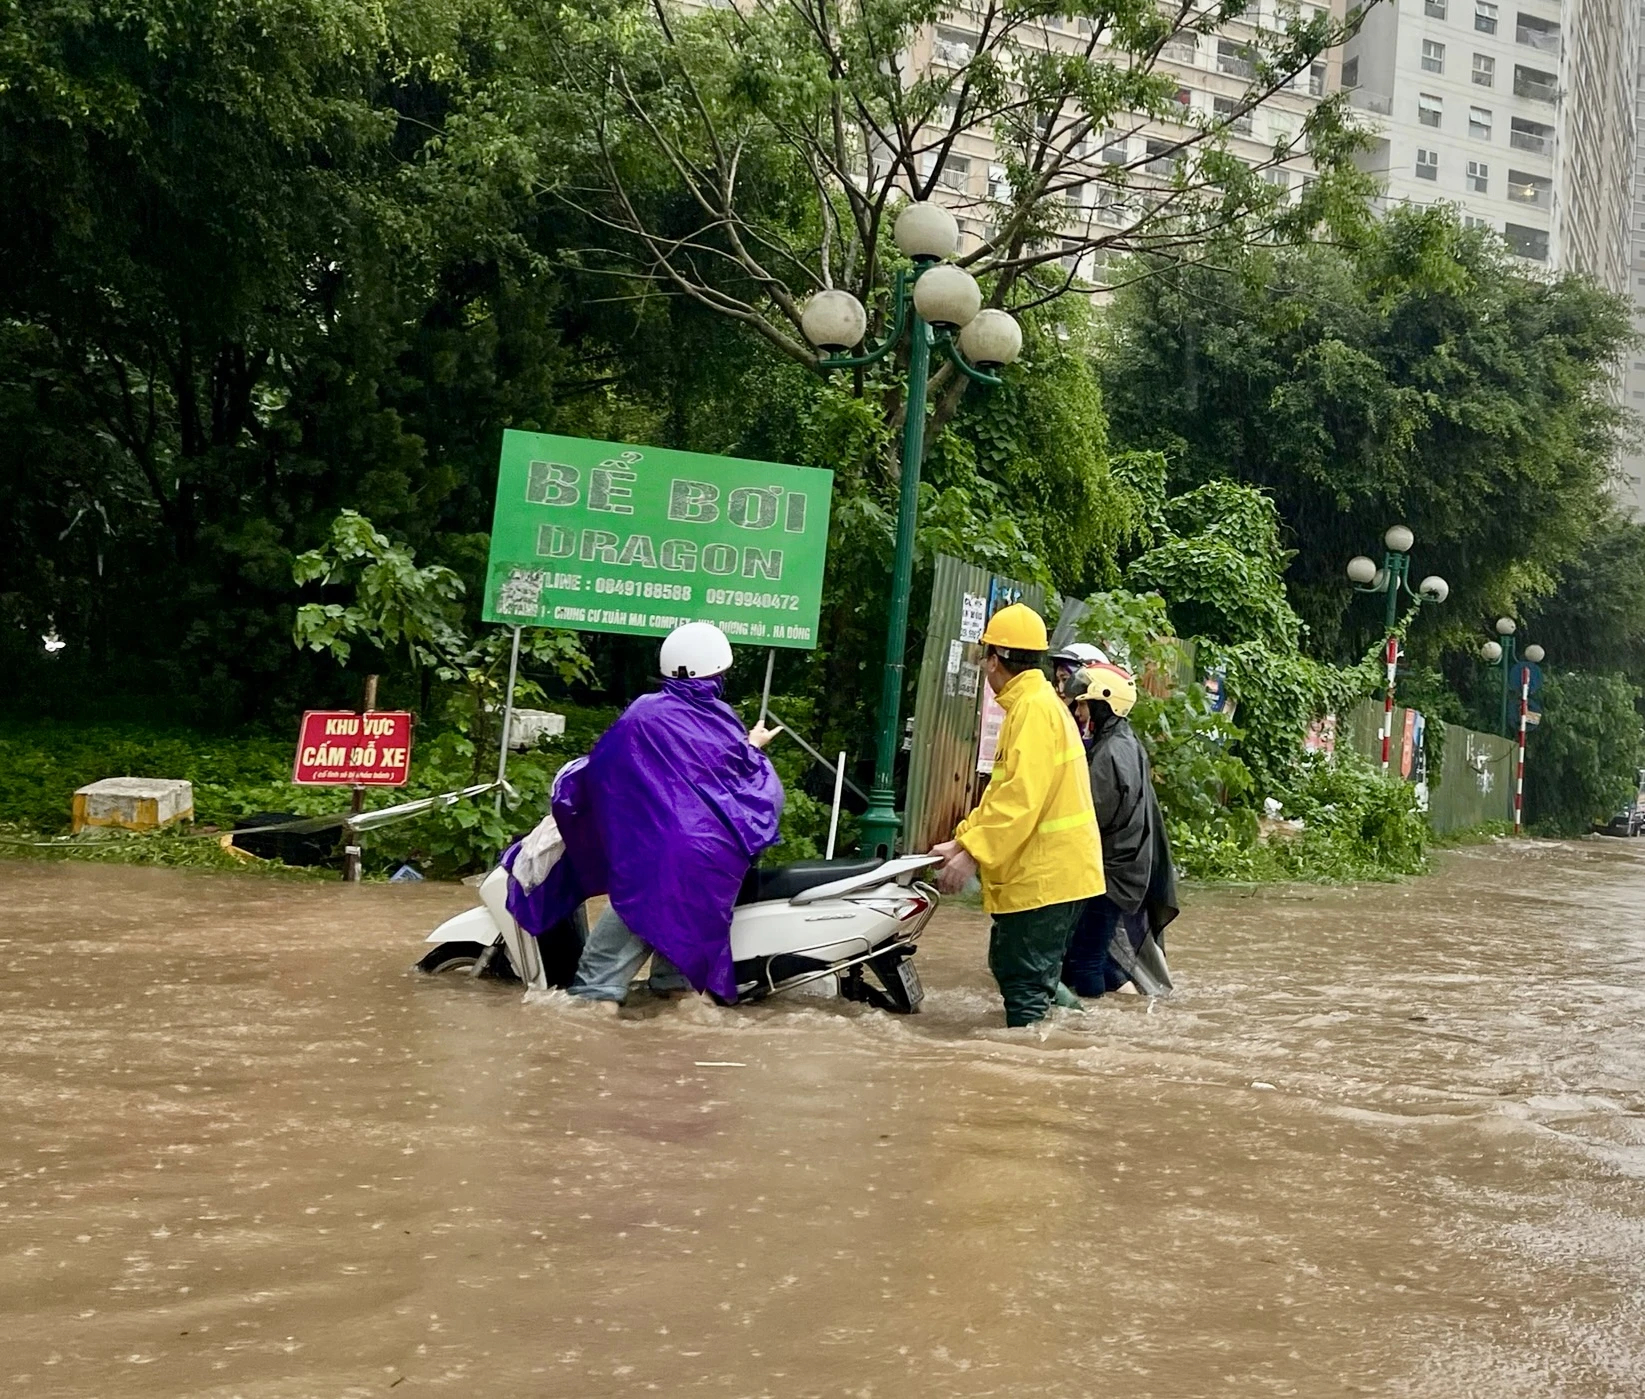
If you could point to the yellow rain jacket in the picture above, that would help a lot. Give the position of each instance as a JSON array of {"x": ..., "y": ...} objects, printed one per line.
[{"x": 1034, "y": 833}]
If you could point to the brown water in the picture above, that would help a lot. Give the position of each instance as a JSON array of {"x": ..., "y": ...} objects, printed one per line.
[{"x": 1385, "y": 1141}]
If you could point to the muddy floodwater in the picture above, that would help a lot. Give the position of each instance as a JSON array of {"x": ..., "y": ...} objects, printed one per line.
[{"x": 1383, "y": 1141}]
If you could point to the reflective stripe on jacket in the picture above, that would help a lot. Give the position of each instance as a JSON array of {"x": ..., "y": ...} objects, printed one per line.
[{"x": 1034, "y": 833}]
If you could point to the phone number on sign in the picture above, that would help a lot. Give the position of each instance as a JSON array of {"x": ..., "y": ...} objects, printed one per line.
[
  {"x": 729, "y": 597},
  {"x": 633, "y": 587}
]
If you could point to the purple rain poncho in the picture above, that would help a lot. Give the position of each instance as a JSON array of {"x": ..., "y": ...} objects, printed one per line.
[{"x": 666, "y": 814}]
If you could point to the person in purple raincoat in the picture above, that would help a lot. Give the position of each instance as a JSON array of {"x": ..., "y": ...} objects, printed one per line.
[{"x": 666, "y": 815}]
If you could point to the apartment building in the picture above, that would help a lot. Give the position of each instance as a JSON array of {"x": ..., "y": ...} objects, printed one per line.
[
  {"x": 1212, "y": 73},
  {"x": 1517, "y": 111},
  {"x": 1631, "y": 485}
]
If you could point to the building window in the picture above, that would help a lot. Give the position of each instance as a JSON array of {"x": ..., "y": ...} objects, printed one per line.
[
  {"x": 952, "y": 46},
  {"x": 1070, "y": 258},
  {"x": 1479, "y": 123},
  {"x": 1541, "y": 34},
  {"x": 1534, "y": 190},
  {"x": 1427, "y": 165},
  {"x": 1469, "y": 221},
  {"x": 1526, "y": 242},
  {"x": 1279, "y": 178},
  {"x": 999, "y": 184},
  {"x": 1228, "y": 110},
  {"x": 1184, "y": 97},
  {"x": 1350, "y": 72},
  {"x": 1316, "y": 80},
  {"x": 1235, "y": 58},
  {"x": 955, "y": 174},
  {"x": 1159, "y": 161},
  {"x": 1429, "y": 108},
  {"x": 1116, "y": 152},
  {"x": 1181, "y": 48},
  {"x": 1484, "y": 70},
  {"x": 1479, "y": 177},
  {"x": 1433, "y": 57},
  {"x": 1435, "y": 8},
  {"x": 1534, "y": 136},
  {"x": 1485, "y": 16},
  {"x": 1533, "y": 82}
]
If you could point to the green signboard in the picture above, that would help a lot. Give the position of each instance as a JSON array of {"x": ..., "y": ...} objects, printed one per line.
[{"x": 602, "y": 536}]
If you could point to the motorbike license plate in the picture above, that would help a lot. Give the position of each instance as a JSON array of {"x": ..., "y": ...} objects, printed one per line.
[{"x": 910, "y": 978}]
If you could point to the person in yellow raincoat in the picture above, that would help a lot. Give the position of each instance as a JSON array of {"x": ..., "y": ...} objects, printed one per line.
[{"x": 1033, "y": 837}]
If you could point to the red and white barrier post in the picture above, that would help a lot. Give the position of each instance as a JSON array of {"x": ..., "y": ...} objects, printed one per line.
[
  {"x": 1388, "y": 702},
  {"x": 1519, "y": 767}
]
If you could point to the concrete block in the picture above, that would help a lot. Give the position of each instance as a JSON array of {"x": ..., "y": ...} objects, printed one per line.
[
  {"x": 527, "y": 726},
  {"x": 134, "y": 803}
]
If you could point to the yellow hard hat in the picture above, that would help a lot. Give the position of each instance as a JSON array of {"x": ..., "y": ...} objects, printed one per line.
[{"x": 1017, "y": 627}]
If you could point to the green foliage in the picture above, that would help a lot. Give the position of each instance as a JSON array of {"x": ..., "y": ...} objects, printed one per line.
[
  {"x": 1413, "y": 374},
  {"x": 1581, "y": 761},
  {"x": 396, "y": 604}
]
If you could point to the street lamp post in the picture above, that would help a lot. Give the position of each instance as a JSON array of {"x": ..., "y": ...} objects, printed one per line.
[
  {"x": 1394, "y": 575},
  {"x": 938, "y": 305},
  {"x": 1515, "y": 673},
  {"x": 1502, "y": 653}
]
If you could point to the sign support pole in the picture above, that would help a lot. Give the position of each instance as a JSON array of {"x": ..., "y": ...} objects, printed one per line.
[
  {"x": 765, "y": 694},
  {"x": 351, "y": 850},
  {"x": 508, "y": 719}
]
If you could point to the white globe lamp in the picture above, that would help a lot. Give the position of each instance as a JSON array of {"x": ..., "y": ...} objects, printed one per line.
[
  {"x": 1434, "y": 588},
  {"x": 1361, "y": 570},
  {"x": 1399, "y": 539},
  {"x": 990, "y": 338},
  {"x": 947, "y": 296},
  {"x": 926, "y": 232},
  {"x": 1535, "y": 654},
  {"x": 1506, "y": 626},
  {"x": 834, "y": 321},
  {"x": 1491, "y": 651}
]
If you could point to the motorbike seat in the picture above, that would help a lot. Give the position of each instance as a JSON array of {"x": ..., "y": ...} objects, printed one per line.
[{"x": 785, "y": 881}]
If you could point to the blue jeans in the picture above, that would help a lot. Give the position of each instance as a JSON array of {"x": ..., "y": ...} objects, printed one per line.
[
  {"x": 1089, "y": 967},
  {"x": 611, "y": 956}
]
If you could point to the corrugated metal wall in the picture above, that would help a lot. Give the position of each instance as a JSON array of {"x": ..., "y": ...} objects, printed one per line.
[
  {"x": 1476, "y": 781},
  {"x": 942, "y": 770}
]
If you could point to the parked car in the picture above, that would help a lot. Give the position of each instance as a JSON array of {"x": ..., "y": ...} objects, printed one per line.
[{"x": 1629, "y": 821}]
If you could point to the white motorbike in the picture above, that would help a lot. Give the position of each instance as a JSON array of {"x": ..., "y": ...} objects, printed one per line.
[{"x": 808, "y": 922}]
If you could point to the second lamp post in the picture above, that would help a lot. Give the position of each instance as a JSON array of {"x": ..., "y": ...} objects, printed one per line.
[
  {"x": 1503, "y": 655},
  {"x": 946, "y": 311}
]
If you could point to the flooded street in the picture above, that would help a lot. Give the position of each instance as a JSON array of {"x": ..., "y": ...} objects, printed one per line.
[{"x": 1384, "y": 1141}]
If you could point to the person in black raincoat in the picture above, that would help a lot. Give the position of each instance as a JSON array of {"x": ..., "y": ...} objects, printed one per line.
[{"x": 1119, "y": 943}]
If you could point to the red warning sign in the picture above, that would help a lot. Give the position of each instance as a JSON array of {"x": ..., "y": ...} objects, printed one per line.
[{"x": 337, "y": 748}]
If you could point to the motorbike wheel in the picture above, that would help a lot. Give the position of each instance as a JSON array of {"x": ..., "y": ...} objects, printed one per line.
[{"x": 451, "y": 957}]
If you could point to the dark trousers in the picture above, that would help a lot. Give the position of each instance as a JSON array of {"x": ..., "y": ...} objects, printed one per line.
[
  {"x": 1089, "y": 969},
  {"x": 1025, "y": 952}
]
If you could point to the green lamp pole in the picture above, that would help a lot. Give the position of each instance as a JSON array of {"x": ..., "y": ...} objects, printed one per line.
[
  {"x": 1503, "y": 654},
  {"x": 937, "y": 304},
  {"x": 1394, "y": 575}
]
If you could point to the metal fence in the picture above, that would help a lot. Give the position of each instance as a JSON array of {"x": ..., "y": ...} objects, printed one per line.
[
  {"x": 1476, "y": 776},
  {"x": 943, "y": 782}
]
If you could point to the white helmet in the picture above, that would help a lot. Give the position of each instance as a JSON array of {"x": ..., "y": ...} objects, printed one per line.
[
  {"x": 695, "y": 650},
  {"x": 1080, "y": 653}
]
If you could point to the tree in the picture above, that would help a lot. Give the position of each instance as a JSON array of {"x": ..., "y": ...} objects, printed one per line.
[
  {"x": 244, "y": 288},
  {"x": 1582, "y": 759},
  {"x": 742, "y": 157},
  {"x": 1417, "y": 375}
]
